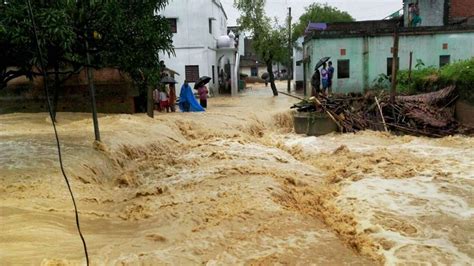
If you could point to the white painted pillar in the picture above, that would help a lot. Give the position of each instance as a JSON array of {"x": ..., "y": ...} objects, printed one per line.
[{"x": 234, "y": 90}]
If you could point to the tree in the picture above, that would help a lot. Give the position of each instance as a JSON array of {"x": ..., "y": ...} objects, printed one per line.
[
  {"x": 319, "y": 13},
  {"x": 127, "y": 35},
  {"x": 141, "y": 36},
  {"x": 267, "y": 41}
]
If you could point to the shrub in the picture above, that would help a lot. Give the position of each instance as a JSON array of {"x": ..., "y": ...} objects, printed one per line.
[
  {"x": 422, "y": 80},
  {"x": 426, "y": 79},
  {"x": 460, "y": 74}
]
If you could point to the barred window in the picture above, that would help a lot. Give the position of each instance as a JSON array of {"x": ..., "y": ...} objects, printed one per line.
[{"x": 192, "y": 73}]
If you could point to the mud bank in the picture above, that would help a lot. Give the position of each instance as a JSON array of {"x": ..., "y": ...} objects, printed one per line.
[{"x": 231, "y": 186}]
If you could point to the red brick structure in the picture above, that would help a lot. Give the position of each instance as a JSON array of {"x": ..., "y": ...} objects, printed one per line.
[
  {"x": 115, "y": 93},
  {"x": 461, "y": 8}
]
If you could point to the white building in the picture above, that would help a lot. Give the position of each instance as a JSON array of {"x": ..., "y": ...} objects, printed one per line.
[
  {"x": 297, "y": 64},
  {"x": 197, "y": 26}
]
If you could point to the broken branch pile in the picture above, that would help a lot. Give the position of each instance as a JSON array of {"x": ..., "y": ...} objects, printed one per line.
[{"x": 429, "y": 114}]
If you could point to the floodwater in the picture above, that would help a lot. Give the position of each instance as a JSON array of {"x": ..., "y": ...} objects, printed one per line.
[{"x": 233, "y": 185}]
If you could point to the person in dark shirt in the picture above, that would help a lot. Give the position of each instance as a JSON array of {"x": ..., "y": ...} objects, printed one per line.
[{"x": 316, "y": 83}]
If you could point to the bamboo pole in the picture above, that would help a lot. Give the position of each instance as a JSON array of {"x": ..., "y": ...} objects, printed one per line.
[{"x": 381, "y": 114}]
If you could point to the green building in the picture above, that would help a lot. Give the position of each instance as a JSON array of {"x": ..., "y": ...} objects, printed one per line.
[{"x": 361, "y": 51}]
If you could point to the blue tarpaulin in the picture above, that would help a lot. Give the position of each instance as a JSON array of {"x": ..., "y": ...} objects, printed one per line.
[
  {"x": 186, "y": 98},
  {"x": 312, "y": 26}
]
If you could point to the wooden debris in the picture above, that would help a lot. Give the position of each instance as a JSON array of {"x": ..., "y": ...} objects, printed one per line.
[{"x": 429, "y": 114}]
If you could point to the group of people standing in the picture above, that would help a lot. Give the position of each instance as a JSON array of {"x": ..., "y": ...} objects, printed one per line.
[
  {"x": 324, "y": 78},
  {"x": 164, "y": 97}
]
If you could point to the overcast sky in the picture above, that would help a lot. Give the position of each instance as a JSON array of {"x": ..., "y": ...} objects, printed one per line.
[{"x": 359, "y": 9}]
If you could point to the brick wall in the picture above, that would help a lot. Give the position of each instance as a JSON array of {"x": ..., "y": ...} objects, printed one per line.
[
  {"x": 114, "y": 94},
  {"x": 461, "y": 8}
]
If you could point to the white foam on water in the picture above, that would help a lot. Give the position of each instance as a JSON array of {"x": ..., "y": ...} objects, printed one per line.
[{"x": 412, "y": 200}]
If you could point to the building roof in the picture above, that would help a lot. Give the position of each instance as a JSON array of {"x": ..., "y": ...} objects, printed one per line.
[
  {"x": 380, "y": 28},
  {"x": 250, "y": 62},
  {"x": 219, "y": 4}
]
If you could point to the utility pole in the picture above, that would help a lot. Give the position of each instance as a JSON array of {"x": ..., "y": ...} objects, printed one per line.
[
  {"x": 290, "y": 52},
  {"x": 409, "y": 66},
  {"x": 90, "y": 81},
  {"x": 394, "y": 64}
]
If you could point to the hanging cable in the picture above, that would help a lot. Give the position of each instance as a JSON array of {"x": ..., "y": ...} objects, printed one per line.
[{"x": 45, "y": 83}]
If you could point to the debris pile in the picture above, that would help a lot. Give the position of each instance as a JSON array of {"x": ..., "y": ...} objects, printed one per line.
[{"x": 429, "y": 114}]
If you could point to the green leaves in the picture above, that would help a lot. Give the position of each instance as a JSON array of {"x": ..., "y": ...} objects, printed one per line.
[
  {"x": 131, "y": 34},
  {"x": 269, "y": 41}
]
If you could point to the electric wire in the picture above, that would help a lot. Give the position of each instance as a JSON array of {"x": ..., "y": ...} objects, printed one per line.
[{"x": 45, "y": 85}]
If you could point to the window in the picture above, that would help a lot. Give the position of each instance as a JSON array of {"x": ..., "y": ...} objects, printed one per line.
[
  {"x": 210, "y": 25},
  {"x": 444, "y": 60},
  {"x": 192, "y": 73},
  {"x": 445, "y": 46},
  {"x": 343, "y": 52},
  {"x": 254, "y": 71},
  {"x": 213, "y": 74},
  {"x": 343, "y": 69},
  {"x": 389, "y": 65},
  {"x": 172, "y": 22}
]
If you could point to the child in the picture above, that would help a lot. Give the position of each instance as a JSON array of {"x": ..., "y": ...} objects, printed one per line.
[{"x": 164, "y": 103}]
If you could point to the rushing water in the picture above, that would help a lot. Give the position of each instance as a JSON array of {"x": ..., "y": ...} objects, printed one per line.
[{"x": 231, "y": 186}]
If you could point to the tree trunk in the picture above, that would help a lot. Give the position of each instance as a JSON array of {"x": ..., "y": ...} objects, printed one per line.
[
  {"x": 56, "y": 91},
  {"x": 149, "y": 100},
  {"x": 272, "y": 77}
]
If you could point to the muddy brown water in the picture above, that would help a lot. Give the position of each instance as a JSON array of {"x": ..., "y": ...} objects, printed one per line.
[{"x": 233, "y": 185}]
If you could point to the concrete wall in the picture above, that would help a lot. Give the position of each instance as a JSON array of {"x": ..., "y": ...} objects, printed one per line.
[
  {"x": 427, "y": 48},
  {"x": 464, "y": 113},
  {"x": 365, "y": 69},
  {"x": 247, "y": 70},
  {"x": 194, "y": 45},
  {"x": 332, "y": 48},
  {"x": 431, "y": 11},
  {"x": 297, "y": 56}
]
